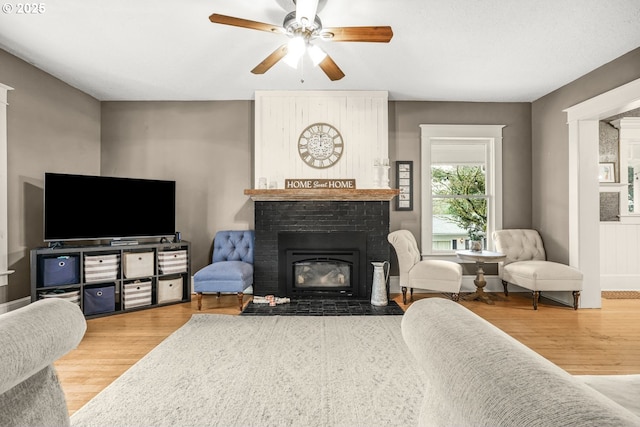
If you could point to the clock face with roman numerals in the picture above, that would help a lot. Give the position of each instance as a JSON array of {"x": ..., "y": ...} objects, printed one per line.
[{"x": 320, "y": 145}]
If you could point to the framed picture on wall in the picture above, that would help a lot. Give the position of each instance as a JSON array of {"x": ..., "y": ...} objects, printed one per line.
[
  {"x": 404, "y": 182},
  {"x": 607, "y": 172}
]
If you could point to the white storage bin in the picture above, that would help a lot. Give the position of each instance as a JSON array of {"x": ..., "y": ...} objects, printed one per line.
[
  {"x": 101, "y": 268},
  {"x": 136, "y": 294},
  {"x": 138, "y": 264},
  {"x": 169, "y": 290},
  {"x": 170, "y": 262},
  {"x": 71, "y": 296}
]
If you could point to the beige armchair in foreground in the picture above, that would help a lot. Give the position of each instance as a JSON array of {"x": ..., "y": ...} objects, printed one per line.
[
  {"x": 435, "y": 275},
  {"x": 526, "y": 265}
]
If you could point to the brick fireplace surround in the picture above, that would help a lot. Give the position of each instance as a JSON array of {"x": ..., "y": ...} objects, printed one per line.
[{"x": 317, "y": 211}]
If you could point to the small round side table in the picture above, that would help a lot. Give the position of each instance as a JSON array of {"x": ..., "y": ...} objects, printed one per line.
[{"x": 480, "y": 257}]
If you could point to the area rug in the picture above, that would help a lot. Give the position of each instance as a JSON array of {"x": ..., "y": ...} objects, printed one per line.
[
  {"x": 220, "y": 370},
  {"x": 323, "y": 307}
]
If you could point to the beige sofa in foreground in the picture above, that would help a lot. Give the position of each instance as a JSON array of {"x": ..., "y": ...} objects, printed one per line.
[{"x": 477, "y": 375}]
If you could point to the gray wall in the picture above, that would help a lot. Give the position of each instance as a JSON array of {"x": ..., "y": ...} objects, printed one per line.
[
  {"x": 404, "y": 140},
  {"x": 206, "y": 147},
  {"x": 550, "y": 150},
  {"x": 52, "y": 127}
]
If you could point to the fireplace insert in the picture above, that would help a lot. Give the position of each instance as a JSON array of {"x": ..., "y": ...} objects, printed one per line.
[
  {"x": 326, "y": 273},
  {"x": 327, "y": 265}
]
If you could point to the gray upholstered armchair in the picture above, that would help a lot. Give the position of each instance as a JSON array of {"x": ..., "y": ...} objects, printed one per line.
[
  {"x": 435, "y": 275},
  {"x": 526, "y": 265},
  {"x": 231, "y": 269}
]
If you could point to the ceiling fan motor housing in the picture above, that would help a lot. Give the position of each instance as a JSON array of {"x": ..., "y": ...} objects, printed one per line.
[{"x": 295, "y": 28}]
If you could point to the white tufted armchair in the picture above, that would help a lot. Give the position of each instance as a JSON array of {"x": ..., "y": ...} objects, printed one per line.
[
  {"x": 435, "y": 275},
  {"x": 526, "y": 265}
]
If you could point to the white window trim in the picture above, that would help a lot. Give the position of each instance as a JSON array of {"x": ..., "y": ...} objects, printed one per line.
[
  {"x": 489, "y": 134},
  {"x": 4, "y": 228}
]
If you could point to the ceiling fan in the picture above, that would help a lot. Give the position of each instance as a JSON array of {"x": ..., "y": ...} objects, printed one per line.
[{"x": 303, "y": 26}]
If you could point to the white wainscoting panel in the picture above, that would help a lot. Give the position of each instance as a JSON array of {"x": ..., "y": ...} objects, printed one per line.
[
  {"x": 361, "y": 117},
  {"x": 619, "y": 256}
]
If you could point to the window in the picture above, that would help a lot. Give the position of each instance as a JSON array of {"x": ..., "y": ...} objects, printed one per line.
[{"x": 461, "y": 186}]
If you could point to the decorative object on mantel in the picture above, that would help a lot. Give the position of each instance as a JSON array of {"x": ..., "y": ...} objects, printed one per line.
[
  {"x": 320, "y": 145},
  {"x": 320, "y": 184},
  {"x": 404, "y": 182},
  {"x": 368, "y": 194},
  {"x": 381, "y": 173}
]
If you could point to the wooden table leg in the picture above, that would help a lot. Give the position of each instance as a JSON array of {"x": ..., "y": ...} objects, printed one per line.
[{"x": 480, "y": 283}]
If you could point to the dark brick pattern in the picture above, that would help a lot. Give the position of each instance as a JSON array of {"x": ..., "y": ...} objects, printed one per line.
[
  {"x": 325, "y": 307},
  {"x": 315, "y": 216}
]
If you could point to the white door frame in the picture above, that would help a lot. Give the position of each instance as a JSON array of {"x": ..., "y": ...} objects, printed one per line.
[{"x": 584, "y": 221}]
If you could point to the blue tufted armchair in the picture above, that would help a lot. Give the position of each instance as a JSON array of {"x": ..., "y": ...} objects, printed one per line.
[{"x": 232, "y": 266}]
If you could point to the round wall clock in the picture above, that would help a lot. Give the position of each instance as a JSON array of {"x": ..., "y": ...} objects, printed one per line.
[{"x": 320, "y": 145}]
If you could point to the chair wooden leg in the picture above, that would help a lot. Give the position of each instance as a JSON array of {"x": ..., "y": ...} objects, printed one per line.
[
  {"x": 536, "y": 297},
  {"x": 576, "y": 296},
  {"x": 504, "y": 285},
  {"x": 199, "y": 301},
  {"x": 404, "y": 295},
  {"x": 240, "y": 296},
  {"x": 411, "y": 291}
]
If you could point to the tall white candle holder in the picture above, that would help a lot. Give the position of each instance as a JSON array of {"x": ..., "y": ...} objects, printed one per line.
[{"x": 381, "y": 173}]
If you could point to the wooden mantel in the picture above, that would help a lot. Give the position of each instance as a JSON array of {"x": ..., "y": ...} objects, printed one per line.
[{"x": 275, "y": 195}]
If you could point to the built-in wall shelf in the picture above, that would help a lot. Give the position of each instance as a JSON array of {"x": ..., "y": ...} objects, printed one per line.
[{"x": 367, "y": 194}]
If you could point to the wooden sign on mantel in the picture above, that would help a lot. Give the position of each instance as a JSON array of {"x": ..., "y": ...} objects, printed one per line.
[{"x": 320, "y": 184}]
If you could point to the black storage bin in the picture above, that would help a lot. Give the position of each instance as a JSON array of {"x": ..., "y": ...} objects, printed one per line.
[
  {"x": 99, "y": 299},
  {"x": 62, "y": 270}
]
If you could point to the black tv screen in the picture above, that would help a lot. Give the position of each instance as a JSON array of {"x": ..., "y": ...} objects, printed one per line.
[{"x": 84, "y": 207}]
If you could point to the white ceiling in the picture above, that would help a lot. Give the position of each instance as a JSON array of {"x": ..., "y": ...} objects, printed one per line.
[{"x": 455, "y": 50}]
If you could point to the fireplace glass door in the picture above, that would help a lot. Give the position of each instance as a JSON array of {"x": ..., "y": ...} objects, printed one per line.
[{"x": 321, "y": 273}]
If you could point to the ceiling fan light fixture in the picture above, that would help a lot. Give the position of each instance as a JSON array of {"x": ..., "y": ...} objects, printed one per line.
[
  {"x": 295, "y": 49},
  {"x": 316, "y": 54}
]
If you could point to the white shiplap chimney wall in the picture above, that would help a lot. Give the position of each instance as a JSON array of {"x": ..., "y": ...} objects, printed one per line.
[{"x": 281, "y": 116}]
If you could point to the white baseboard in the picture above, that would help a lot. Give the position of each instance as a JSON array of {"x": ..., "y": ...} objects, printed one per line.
[{"x": 6, "y": 307}]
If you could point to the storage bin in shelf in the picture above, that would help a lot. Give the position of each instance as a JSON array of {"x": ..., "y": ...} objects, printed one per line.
[
  {"x": 170, "y": 262},
  {"x": 138, "y": 264},
  {"x": 170, "y": 290},
  {"x": 101, "y": 268},
  {"x": 99, "y": 299},
  {"x": 65, "y": 294},
  {"x": 60, "y": 270},
  {"x": 136, "y": 294}
]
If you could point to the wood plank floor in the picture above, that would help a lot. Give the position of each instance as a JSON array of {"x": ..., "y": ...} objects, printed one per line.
[{"x": 587, "y": 341}]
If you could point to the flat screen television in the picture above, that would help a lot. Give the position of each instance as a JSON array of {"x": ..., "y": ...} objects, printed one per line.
[{"x": 84, "y": 207}]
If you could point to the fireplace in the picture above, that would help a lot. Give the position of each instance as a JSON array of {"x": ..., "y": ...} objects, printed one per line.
[
  {"x": 323, "y": 229},
  {"x": 313, "y": 264}
]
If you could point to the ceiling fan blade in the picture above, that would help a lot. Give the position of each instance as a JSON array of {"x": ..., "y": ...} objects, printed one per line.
[
  {"x": 331, "y": 69},
  {"x": 216, "y": 18},
  {"x": 358, "y": 34},
  {"x": 271, "y": 60},
  {"x": 306, "y": 9}
]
